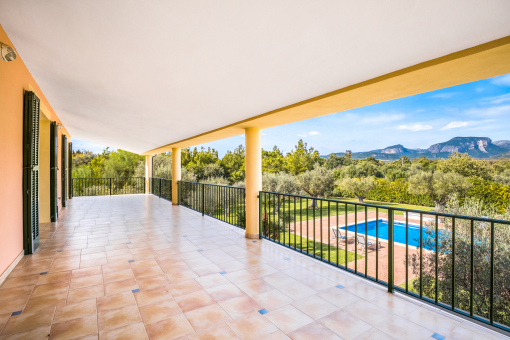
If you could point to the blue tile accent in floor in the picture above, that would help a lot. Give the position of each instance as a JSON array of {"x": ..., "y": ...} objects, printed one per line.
[
  {"x": 135, "y": 290},
  {"x": 340, "y": 286},
  {"x": 200, "y": 250},
  {"x": 287, "y": 259},
  {"x": 438, "y": 336},
  {"x": 223, "y": 273},
  {"x": 128, "y": 242},
  {"x": 254, "y": 241},
  {"x": 17, "y": 313},
  {"x": 263, "y": 311},
  {"x": 131, "y": 261},
  {"x": 59, "y": 251},
  {"x": 43, "y": 273}
]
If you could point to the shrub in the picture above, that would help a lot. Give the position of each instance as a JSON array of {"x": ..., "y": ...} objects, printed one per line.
[
  {"x": 490, "y": 193},
  {"x": 462, "y": 274}
]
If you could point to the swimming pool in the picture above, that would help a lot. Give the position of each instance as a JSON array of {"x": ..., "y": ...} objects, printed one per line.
[{"x": 399, "y": 231}]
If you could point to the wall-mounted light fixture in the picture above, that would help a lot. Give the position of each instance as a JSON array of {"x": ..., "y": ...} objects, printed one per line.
[
  {"x": 7, "y": 53},
  {"x": 60, "y": 126}
]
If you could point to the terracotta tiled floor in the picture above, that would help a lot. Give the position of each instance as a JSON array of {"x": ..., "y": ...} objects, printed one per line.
[{"x": 136, "y": 267}]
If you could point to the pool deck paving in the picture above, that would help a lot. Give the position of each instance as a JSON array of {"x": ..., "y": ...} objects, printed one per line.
[{"x": 327, "y": 234}]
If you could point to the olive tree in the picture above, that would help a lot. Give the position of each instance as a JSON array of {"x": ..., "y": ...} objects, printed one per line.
[
  {"x": 463, "y": 248},
  {"x": 282, "y": 183},
  {"x": 359, "y": 187},
  {"x": 465, "y": 165},
  {"x": 162, "y": 165},
  {"x": 213, "y": 171},
  {"x": 316, "y": 183},
  {"x": 438, "y": 186}
]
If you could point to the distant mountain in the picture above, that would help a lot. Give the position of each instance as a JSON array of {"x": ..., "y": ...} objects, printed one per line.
[
  {"x": 477, "y": 147},
  {"x": 399, "y": 149},
  {"x": 503, "y": 143},
  {"x": 502, "y": 155}
]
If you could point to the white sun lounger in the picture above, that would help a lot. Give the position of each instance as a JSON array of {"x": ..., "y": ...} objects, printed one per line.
[{"x": 361, "y": 240}]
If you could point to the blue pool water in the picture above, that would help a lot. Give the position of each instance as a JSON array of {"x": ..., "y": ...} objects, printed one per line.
[{"x": 399, "y": 231}]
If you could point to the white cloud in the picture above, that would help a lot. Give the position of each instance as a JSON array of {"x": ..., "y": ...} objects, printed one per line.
[
  {"x": 444, "y": 95},
  {"x": 414, "y": 127},
  {"x": 500, "y": 99},
  {"x": 502, "y": 80},
  {"x": 454, "y": 125},
  {"x": 312, "y": 133}
]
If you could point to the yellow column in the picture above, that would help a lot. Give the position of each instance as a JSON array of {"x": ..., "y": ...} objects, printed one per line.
[
  {"x": 148, "y": 173},
  {"x": 253, "y": 180},
  {"x": 176, "y": 173}
]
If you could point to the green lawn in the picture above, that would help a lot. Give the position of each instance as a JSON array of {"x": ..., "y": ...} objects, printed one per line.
[
  {"x": 410, "y": 286},
  {"x": 301, "y": 211},
  {"x": 302, "y": 242}
]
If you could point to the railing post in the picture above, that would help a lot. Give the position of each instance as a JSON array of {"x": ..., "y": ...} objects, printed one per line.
[
  {"x": 178, "y": 192},
  {"x": 144, "y": 186},
  {"x": 160, "y": 187},
  {"x": 203, "y": 199},
  {"x": 391, "y": 261},
  {"x": 110, "y": 186},
  {"x": 260, "y": 215}
]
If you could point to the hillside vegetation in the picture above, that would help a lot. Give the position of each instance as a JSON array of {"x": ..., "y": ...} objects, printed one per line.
[{"x": 421, "y": 181}]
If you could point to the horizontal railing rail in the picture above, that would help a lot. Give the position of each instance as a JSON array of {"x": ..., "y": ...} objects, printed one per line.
[
  {"x": 161, "y": 187},
  {"x": 482, "y": 219},
  {"x": 453, "y": 261},
  {"x": 225, "y": 203},
  {"x": 108, "y": 186}
]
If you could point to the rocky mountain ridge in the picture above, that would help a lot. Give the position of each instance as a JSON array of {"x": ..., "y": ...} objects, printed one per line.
[{"x": 477, "y": 147}]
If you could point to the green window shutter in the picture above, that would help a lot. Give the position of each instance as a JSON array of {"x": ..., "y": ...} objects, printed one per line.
[
  {"x": 63, "y": 172},
  {"x": 70, "y": 170},
  {"x": 53, "y": 171},
  {"x": 30, "y": 172}
]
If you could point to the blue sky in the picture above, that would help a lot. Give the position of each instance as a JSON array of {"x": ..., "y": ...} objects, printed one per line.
[{"x": 478, "y": 109}]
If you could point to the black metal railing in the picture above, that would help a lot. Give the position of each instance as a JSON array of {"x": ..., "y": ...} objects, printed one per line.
[
  {"x": 456, "y": 262},
  {"x": 225, "y": 203},
  {"x": 108, "y": 186},
  {"x": 161, "y": 187}
]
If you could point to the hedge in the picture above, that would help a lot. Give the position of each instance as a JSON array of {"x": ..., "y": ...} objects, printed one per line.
[
  {"x": 491, "y": 192},
  {"x": 392, "y": 192},
  {"x": 396, "y": 192}
]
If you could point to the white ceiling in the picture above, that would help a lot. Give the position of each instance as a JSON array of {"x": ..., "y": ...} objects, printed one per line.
[{"x": 140, "y": 74}]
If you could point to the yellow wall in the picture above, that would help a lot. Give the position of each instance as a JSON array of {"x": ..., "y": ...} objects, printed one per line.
[{"x": 14, "y": 80}]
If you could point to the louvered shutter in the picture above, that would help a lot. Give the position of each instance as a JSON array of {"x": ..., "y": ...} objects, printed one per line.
[
  {"x": 70, "y": 170},
  {"x": 63, "y": 171},
  {"x": 30, "y": 172},
  {"x": 53, "y": 171}
]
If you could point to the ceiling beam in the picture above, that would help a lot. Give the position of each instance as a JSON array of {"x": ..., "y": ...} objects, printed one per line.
[{"x": 476, "y": 63}]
